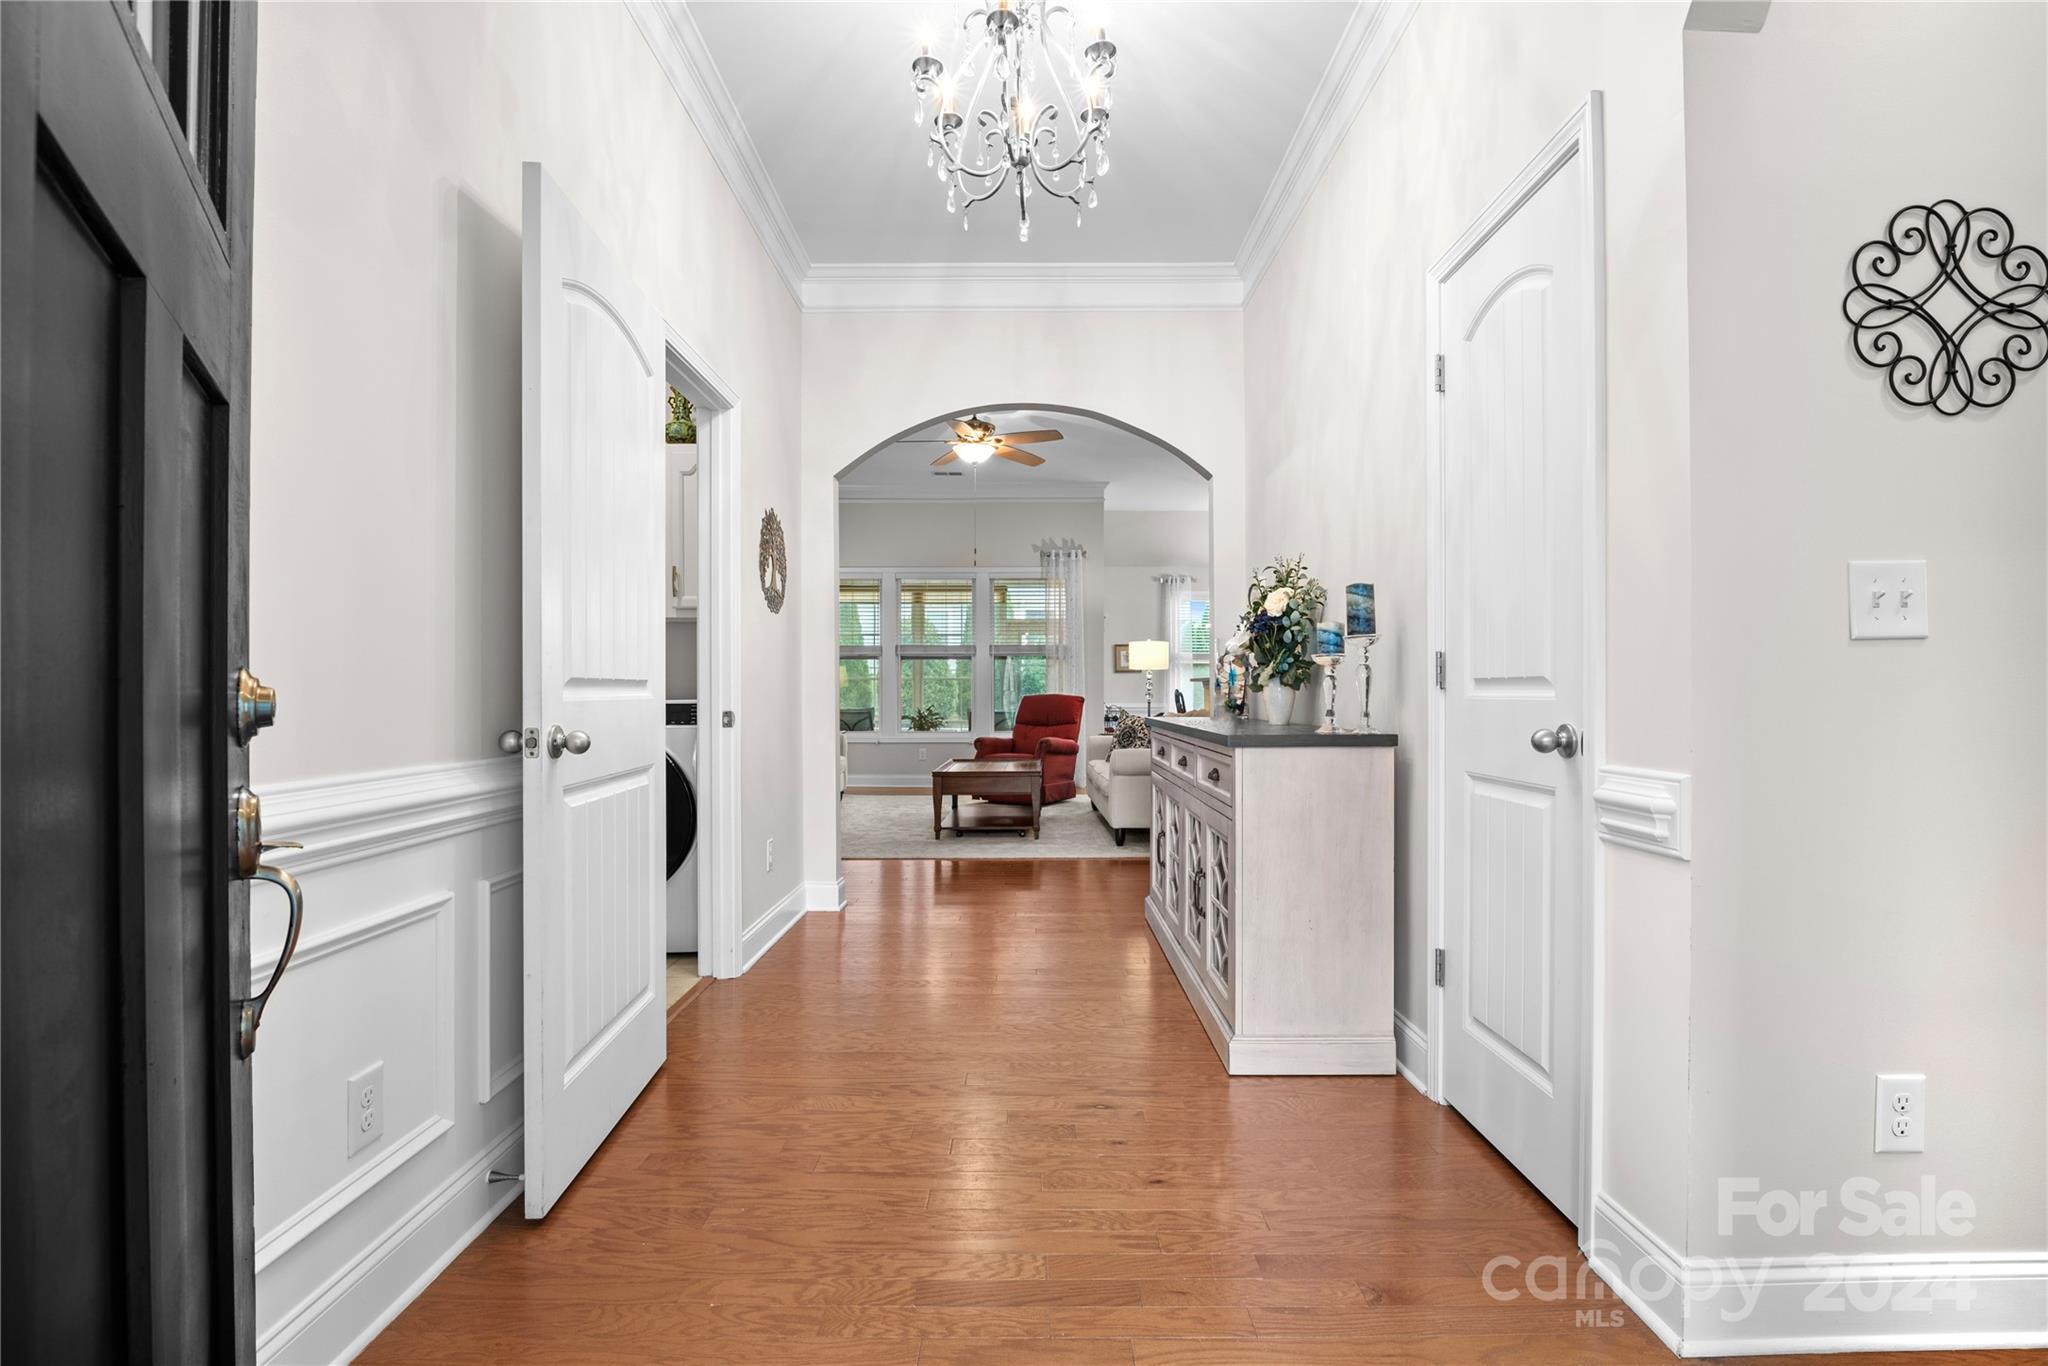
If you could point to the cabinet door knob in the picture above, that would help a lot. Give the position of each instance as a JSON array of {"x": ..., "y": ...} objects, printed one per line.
[{"x": 1215, "y": 775}]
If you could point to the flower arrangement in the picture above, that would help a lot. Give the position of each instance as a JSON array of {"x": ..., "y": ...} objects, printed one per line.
[{"x": 1277, "y": 631}]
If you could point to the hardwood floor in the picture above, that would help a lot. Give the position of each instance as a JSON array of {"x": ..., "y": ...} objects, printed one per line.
[{"x": 973, "y": 1120}]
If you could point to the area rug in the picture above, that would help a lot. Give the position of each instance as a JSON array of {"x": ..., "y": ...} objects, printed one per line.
[{"x": 901, "y": 827}]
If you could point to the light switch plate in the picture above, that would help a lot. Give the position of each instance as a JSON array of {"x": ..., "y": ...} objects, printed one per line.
[{"x": 1887, "y": 599}]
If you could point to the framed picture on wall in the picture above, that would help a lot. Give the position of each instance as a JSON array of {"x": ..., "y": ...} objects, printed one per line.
[{"x": 1120, "y": 658}]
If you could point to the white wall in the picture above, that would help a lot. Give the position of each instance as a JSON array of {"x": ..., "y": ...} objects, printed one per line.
[
  {"x": 1870, "y": 881},
  {"x": 1334, "y": 383},
  {"x": 1138, "y": 547},
  {"x": 867, "y": 377},
  {"x": 385, "y": 528}
]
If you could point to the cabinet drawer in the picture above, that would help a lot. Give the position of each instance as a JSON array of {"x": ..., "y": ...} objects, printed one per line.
[{"x": 1211, "y": 774}]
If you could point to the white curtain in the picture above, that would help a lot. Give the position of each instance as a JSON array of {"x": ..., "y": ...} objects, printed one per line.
[
  {"x": 1066, "y": 665},
  {"x": 1176, "y": 591}
]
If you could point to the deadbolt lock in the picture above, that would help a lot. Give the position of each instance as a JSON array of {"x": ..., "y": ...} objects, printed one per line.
[{"x": 255, "y": 705}]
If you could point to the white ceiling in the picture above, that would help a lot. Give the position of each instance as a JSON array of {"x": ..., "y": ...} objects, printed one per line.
[
  {"x": 1095, "y": 460},
  {"x": 1208, "y": 97}
]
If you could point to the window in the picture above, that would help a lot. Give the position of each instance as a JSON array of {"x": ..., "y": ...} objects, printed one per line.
[
  {"x": 1027, "y": 619},
  {"x": 958, "y": 649},
  {"x": 860, "y": 653},
  {"x": 935, "y": 647},
  {"x": 1192, "y": 650}
]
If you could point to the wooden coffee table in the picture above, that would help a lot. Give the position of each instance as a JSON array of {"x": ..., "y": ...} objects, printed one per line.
[{"x": 957, "y": 778}]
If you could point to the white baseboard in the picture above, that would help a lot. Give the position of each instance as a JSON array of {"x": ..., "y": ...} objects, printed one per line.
[
  {"x": 1749, "y": 1306},
  {"x": 1411, "y": 1052},
  {"x": 1641, "y": 1268},
  {"x": 825, "y": 896},
  {"x": 342, "y": 1318},
  {"x": 759, "y": 937}
]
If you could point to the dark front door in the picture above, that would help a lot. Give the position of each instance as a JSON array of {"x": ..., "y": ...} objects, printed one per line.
[{"x": 125, "y": 1198}]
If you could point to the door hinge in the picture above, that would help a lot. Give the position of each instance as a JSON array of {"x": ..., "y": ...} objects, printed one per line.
[
  {"x": 725, "y": 719},
  {"x": 1439, "y": 670},
  {"x": 1439, "y": 967},
  {"x": 1439, "y": 372}
]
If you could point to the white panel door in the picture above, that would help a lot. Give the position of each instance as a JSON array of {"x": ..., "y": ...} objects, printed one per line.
[
  {"x": 591, "y": 484},
  {"x": 1515, "y": 326}
]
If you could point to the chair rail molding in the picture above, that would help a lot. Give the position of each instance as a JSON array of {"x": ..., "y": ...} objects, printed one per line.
[
  {"x": 344, "y": 820},
  {"x": 1645, "y": 808}
]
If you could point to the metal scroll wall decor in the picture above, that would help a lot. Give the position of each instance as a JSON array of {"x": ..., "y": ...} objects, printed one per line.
[
  {"x": 1949, "y": 306},
  {"x": 774, "y": 560}
]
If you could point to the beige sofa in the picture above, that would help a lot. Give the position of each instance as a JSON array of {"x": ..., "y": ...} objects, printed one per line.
[{"x": 1120, "y": 785}]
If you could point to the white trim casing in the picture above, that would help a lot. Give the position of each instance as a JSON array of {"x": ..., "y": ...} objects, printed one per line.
[
  {"x": 1411, "y": 1052},
  {"x": 1580, "y": 136},
  {"x": 679, "y": 49},
  {"x": 1044, "y": 286},
  {"x": 719, "y": 541},
  {"x": 1354, "y": 69},
  {"x": 1644, "y": 808}
]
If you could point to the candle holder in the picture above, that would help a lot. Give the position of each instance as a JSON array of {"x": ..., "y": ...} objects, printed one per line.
[
  {"x": 1365, "y": 683},
  {"x": 1330, "y": 664}
]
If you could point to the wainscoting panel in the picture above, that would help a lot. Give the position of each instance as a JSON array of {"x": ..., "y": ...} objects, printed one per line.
[{"x": 410, "y": 957}]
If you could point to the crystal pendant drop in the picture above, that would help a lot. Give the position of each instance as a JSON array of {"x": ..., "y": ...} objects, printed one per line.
[
  {"x": 1077, "y": 218},
  {"x": 963, "y": 222},
  {"x": 931, "y": 156},
  {"x": 1024, "y": 230},
  {"x": 1091, "y": 196},
  {"x": 952, "y": 204}
]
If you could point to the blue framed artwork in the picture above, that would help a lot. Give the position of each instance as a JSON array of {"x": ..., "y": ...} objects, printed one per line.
[{"x": 1360, "y": 619}]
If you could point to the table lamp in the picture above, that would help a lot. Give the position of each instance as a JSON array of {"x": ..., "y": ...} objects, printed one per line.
[{"x": 1149, "y": 655}]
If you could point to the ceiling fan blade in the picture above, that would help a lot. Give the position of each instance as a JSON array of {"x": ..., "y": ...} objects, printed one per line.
[
  {"x": 946, "y": 459},
  {"x": 926, "y": 441},
  {"x": 1025, "y": 438},
  {"x": 965, "y": 432},
  {"x": 1025, "y": 458}
]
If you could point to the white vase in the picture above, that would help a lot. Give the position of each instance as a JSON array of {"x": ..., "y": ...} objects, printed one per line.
[{"x": 1276, "y": 704}]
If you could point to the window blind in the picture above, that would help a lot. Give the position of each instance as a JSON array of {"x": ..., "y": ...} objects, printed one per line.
[
  {"x": 860, "y": 614},
  {"x": 935, "y": 616},
  {"x": 1027, "y": 615}
]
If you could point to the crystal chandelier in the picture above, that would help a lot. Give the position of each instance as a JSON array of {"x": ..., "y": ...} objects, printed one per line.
[{"x": 1028, "y": 65}]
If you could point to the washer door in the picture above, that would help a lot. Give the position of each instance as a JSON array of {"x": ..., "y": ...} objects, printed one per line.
[{"x": 682, "y": 815}]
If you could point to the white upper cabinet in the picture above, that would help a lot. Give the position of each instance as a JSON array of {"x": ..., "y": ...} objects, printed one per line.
[{"x": 680, "y": 589}]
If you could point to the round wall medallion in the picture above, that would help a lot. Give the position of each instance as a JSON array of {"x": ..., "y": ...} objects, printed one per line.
[{"x": 774, "y": 560}]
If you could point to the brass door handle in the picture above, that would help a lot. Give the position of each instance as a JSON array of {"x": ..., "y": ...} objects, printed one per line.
[
  {"x": 255, "y": 705},
  {"x": 573, "y": 741},
  {"x": 246, "y": 849}
]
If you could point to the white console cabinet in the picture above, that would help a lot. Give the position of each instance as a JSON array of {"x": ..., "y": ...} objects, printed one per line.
[{"x": 1273, "y": 891}]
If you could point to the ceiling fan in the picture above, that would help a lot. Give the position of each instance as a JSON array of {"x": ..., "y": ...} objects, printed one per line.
[{"x": 974, "y": 441}]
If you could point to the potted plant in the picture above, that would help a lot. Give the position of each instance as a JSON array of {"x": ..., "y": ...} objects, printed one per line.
[
  {"x": 1278, "y": 629},
  {"x": 927, "y": 718}
]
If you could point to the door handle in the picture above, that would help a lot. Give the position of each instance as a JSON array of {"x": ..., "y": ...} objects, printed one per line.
[
  {"x": 246, "y": 851},
  {"x": 255, "y": 706},
  {"x": 1565, "y": 741},
  {"x": 574, "y": 741}
]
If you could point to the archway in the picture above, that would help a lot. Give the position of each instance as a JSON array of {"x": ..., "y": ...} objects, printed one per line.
[{"x": 903, "y": 551}]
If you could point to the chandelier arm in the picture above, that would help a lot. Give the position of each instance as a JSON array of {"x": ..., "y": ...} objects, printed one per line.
[
  {"x": 990, "y": 193},
  {"x": 1055, "y": 191}
]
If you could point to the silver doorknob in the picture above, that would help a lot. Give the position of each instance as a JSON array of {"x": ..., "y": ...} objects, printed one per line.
[
  {"x": 1564, "y": 741},
  {"x": 574, "y": 741},
  {"x": 511, "y": 742}
]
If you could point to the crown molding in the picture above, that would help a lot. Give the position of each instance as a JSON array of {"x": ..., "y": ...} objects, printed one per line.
[
  {"x": 1354, "y": 69},
  {"x": 679, "y": 48},
  {"x": 1050, "y": 285},
  {"x": 1362, "y": 52}
]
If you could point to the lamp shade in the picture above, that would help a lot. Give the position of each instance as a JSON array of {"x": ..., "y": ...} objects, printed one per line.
[{"x": 1149, "y": 656}]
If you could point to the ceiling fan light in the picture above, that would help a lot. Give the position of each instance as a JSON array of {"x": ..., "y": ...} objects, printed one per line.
[{"x": 974, "y": 452}]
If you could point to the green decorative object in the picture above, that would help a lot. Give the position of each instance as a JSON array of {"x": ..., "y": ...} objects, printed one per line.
[
  {"x": 926, "y": 718},
  {"x": 682, "y": 419},
  {"x": 1276, "y": 634}
]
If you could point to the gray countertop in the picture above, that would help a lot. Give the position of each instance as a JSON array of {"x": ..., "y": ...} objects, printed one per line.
[{"x": 1231, "y": 733}]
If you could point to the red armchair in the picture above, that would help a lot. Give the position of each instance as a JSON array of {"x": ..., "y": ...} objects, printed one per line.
[{"x": 1049, "y": 730}]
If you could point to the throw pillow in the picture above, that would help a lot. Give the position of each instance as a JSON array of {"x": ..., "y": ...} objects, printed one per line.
[{"x": 1132, "y": 732}]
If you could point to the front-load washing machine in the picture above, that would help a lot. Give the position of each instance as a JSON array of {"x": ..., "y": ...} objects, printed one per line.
[{"x": 682, "y": 827}]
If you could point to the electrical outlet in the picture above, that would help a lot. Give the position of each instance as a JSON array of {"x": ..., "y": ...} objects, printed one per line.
[
  {"x": 365, "y": 1108},
  {"x": 771, "y": 856},
  {"x": 1901, "y": 1112},
  {"x": 922, "y": 754}
]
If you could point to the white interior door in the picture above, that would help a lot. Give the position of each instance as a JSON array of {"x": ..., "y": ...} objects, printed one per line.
[
  {"x": 595, "y": 899},
  {"x": 1515, "y": 321}
]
